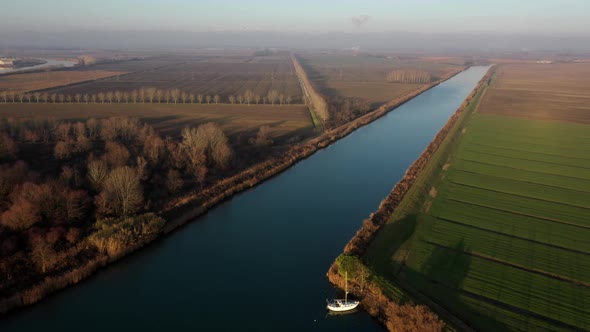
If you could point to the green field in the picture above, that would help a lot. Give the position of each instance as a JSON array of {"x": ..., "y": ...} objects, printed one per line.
[{"x": 505, "y": 242}]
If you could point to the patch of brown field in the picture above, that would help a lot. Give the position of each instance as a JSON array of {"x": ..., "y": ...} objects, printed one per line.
[
  {"x": 169, "y": 119},
  {"x": 541, "y": 91},
  {"x": 50, "y": 79},
  {"x": 372, "y": 91},
  {"x": 366, "y": 76}
]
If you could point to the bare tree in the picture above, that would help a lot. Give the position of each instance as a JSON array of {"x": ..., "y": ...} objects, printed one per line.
[
  {"x": 116, "y": 155},
  {"x": 175, "y": 94},
  {"x": 281, "y": 99},
  {"x": 78, "y": 97},
  {"x": 134, "y": 96},
  {"x": 37, "y": 96},
  {"x": 4, "y": 96},
  {"x": 118, "y": 96},
  {"x": 232, "y": 99},
  {"x": 191, "y": 98},
  {"x": 45, "y": 97},
  {"x": 86, "y": 98},
  {"x": 216, "y": 98},
  {"x": 240, "y": 99},
  {"x": 159, "y": 94},
  {"x": 257, "y": 99},
  {"x": 272, "y": 95},
  {"x": 101, "y": 97},
  {"x": 109, "y": 96},
  {"x": 167, "y": 96},
  {"x": 289, "y": 100},
  {"x": 183, "y": 97},
  {"x": 69, "y": 98},
  {"x": 248, "y": 96},
  {"x": 263, "y": 137},
  {"x": 126, "y": 96},
  {"x": 97, "y": 173},
  {"x": 264, "y": 100},
  {"x": 141, "y": 95},
  {"x": 173, "y": 181},
  {"x": 208, "y": 99},
  {"x": 150, "y": 94},
  {"x": 61, "y": 98},
  {"x": 123, "y": 190},
  {"x": 200, "y": 98}
]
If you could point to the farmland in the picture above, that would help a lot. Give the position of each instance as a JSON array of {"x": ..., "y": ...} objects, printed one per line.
[
  {"x": 224, "y": 76},
  {"x": 365, "y": 76},
  {"x": 50, "y": 79},
  {"x": 530, "y": 88},
  {"x": 499, "y": 232}
]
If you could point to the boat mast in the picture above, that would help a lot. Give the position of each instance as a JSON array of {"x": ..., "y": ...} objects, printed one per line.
[{"x": 346, "y": 289}]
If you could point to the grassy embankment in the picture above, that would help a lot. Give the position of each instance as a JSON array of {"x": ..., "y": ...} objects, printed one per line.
[
  {"x": 396, "y": 219},
  {"x": 316, "y": 104}
]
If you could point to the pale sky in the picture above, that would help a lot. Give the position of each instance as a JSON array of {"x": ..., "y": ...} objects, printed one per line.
[{"x": 540, "y": 17}]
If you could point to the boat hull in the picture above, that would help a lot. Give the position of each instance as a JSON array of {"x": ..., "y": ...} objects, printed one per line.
[{"x": 341, "y": 305}]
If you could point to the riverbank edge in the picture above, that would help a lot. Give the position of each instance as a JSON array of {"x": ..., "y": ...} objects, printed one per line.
[
  {"x": 374, "y": 294},
  {"x": 189, "y": 207}
]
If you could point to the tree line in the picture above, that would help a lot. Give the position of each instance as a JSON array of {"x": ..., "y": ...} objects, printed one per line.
[
  {"x": 94, "y": 194},
  {"x": 409, "y": 76},
  {"x": 146, "y": 95}
]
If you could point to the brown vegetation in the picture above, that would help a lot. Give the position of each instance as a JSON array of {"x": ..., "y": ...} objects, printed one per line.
[
  {"x": 541, "y": 91},
  {"x": 406, "y": 317},
  {"x": 235, "y": 120}
]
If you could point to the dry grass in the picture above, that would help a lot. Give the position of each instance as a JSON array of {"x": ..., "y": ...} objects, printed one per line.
[
  {"x": 541, "y": 91},
  {"x": 50, "y": 79},
  {"x": 169, "y": 119}
]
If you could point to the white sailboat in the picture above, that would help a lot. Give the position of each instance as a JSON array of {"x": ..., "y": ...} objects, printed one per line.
[{"x": 339, "y": 305}]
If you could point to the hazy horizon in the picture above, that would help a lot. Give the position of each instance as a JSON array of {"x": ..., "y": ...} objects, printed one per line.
[{"x": 500, "y": 17}]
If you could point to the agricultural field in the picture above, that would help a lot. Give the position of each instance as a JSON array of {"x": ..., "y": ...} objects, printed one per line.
[
  {"x": 501, "y": 237},
  {"x": 284, "y": 122},
  {"x": 531, "y": 90},
  {"x": 366, "y": 76},
  {"x": 224, "y": 76},
  {"x": 49, "y": 79}
]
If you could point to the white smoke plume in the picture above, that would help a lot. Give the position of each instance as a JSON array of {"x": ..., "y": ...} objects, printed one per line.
[{"x": 360, "y": 20}]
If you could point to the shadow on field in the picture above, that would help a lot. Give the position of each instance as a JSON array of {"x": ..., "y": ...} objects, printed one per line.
[
  {"x": 448, "y": 265},
  {"x": 441, "y": 279},
  {"x": 317, "y": 78}
]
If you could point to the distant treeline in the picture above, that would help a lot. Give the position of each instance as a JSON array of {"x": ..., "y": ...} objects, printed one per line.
[
  {"x": 146, "y": 95},
  {"x": 409, "y": 76}
]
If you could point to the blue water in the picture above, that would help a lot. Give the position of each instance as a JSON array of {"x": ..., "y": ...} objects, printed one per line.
[{"x": 258, "y": 262}]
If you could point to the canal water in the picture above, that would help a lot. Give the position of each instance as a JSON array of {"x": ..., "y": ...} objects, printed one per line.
[{"x": 258, "y": 262}]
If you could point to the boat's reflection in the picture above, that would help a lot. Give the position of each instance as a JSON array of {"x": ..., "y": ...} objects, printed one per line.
[{"x": 342, "y": 313}]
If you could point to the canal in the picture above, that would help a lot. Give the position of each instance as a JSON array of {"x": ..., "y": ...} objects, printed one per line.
[{"x": 258, "y": 261}]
